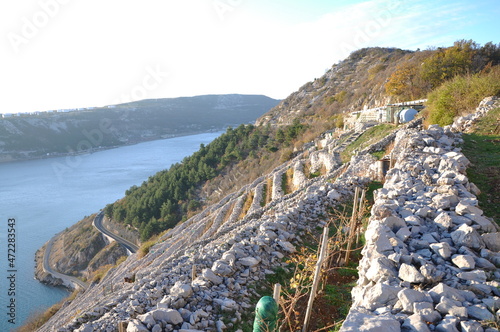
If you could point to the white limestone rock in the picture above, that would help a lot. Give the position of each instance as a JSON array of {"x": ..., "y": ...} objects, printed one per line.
[
  {"x": 381, "y": 294},
  {"x": 136, "y": 326},
  {"x": 221, "y": 268},
  {"x": 287, "y": 246},
  {"x": 410, "y": 297},
  {"x": 444, "y": 220},
  {"x": 467, "y": 236},
  {"x": 443, "y": 290},
  {"x": 147, "y": 318},
  {"x": 476, "y": 275},
  {"x": 464, "y": 262},
  {"x": 415, "y": 323},
  {"x": 410, "y": 274},
  {"x": 227, "y": 304},
  {"x": 249, "y": 261},
  {"x": 443, "y": 249},
  {"x": 480, "y": 312},
  {"x": 446, "y": 305},
  {"x": 394, "y": 223},
  {"x": 381, "y": 268},
  {"x": 448, "y": 324},
  {"x": 362, "y": 320},
  {"x": 209, "y": 275},
  {"x": 484, "y": 223},
  {"x": 462, "y": 209},
  {"x": 181, "y": 289},
  {"x": 170, "y": 316}
]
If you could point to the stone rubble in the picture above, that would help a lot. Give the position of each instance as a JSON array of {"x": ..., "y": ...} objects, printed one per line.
[
  {"x": 416, "y": 274},
  {"x": 430, "y": 262}
]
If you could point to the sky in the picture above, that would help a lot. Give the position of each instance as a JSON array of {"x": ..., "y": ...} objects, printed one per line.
[{"x": 66, "y": 54}]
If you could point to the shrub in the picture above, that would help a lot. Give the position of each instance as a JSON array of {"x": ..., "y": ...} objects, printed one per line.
[
  {"x": 146, "y": 246},
  {"x": 460, "y": 96},
  {"x": 338, "y": 97}
]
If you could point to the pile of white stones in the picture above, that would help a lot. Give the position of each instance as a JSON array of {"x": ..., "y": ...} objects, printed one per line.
[{"x": 431, "y": 260}]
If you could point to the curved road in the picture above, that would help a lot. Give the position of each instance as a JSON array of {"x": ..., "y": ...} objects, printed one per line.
[
  {"x": 67, "y": 280},
  {"x": 100, "y": 227}
]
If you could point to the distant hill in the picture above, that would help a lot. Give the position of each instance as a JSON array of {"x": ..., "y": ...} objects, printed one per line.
[{"x": 57, "y": 133}]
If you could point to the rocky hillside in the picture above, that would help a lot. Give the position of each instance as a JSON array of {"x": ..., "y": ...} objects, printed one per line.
[
  {"x": 204, "y": 274},
  {"x": 352, "y": 84},
  {"x": 430, "y": 262},
  {"x": 58, "y": 133},
  {"x": 374, "y": 77},
  {"x": 229, "y": 246}
]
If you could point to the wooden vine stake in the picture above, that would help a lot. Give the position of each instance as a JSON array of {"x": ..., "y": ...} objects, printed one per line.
[
  {"x": 276, "y": 293},
  {"x": 360, "y": 212},
  {"x": 317, "y": 277},
  {"x": 193, "y": 272},
  {"x": 352, "y": 225}
]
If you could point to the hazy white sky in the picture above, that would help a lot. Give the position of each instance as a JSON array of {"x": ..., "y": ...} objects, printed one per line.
[{"x": 78, "y": 53}]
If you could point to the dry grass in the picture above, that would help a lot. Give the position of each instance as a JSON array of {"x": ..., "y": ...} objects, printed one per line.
[
  {"x": 287, "y": 182},
  {"x": 246, "y": 206},
  {"x": 269, "y": 191},
  {"x": 146, "y": 246}
]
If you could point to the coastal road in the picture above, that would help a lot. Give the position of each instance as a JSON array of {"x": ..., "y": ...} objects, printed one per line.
[
  {"x": 67, "y": 280},
  {"x": 100, "y": 227}
]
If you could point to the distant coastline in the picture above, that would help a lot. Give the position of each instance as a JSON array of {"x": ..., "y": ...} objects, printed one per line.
[
  {"x": 4, "y": 157},
  {"x": 60, "y": 134}
]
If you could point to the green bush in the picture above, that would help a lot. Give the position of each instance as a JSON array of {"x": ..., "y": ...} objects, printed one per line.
[{"x": 461, "y": 95}]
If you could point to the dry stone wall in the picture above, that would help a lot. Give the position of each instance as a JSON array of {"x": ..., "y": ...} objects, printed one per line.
[{"x": 431, "y": 260}]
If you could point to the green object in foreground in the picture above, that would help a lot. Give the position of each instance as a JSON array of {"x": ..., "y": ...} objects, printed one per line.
[{"x": 266, "y": 315}]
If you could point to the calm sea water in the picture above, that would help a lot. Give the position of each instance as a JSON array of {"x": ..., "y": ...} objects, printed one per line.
[{"x": 46, "y": 196}]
